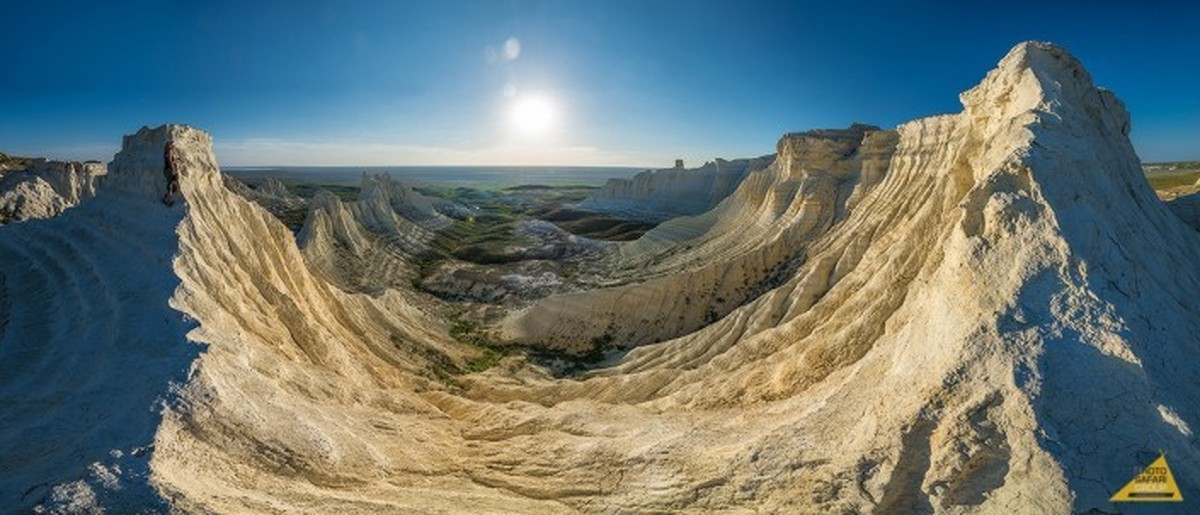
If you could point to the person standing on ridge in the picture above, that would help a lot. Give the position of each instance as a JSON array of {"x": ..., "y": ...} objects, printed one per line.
[{"x": 170, "y": 173}]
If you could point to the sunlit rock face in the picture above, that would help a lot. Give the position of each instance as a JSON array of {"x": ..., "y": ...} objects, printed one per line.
[
  {"x": 984, "y": 312},
  {"x": 691, "y": 271},
  {"x": 657, "y": 195},
  {"x": 369, "y": 245}
]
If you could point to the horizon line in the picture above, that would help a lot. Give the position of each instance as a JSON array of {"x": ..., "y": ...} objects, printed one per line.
[{"x": 445, "y": 166}]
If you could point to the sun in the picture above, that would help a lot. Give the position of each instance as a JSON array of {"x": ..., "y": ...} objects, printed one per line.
[{"x": 533, "y": 115}]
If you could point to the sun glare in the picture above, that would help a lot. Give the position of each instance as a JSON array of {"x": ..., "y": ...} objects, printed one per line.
[{"x": 533, "y": 115}]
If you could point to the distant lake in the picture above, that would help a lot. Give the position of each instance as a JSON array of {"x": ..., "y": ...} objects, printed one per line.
[{"x": 469, "y": 176}]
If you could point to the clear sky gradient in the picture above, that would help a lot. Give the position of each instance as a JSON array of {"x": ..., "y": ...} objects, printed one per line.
[{"x": 632, "y": 82}]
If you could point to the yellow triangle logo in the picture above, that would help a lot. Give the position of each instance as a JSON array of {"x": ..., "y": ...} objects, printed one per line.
[{"x": 1155, "y": 484}]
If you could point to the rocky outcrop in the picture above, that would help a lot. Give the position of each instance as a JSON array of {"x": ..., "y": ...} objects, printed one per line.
[
  {"x": 8, "y": 162},
  {"x": 270, "y": 193},
  {"x": 380, "y": 192},
  {"x": 1187, "y": 208},
  {"x": 274, "y": 188},
  {"x": 369, "y": 245},
  {"x": 274, "y": 196},
  {"x": 365, "y": 245},
  {"x": 42, "y": 188},
  {"x": 691, "y": 271},
  {"x": 657, "y": 195}
]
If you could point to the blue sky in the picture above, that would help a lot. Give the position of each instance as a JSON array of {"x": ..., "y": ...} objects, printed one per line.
[{"x": 631, "y": 82}]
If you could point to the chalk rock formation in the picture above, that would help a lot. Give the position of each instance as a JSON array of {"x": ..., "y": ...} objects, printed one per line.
[
  {"x": 46, "y": 188},
  {"x": 940, "y": 347},
  {"x": 368, "y": 245},
  {"x": 701, "y": 268},
  {"x": 365, "y": 245},
  {"x": 106, "y": 294},
  {"x": 657, "y": 195},
  {"x": 271, "y": 194},
  {"x": 1004, "y": 322},
  {"x": 275, "y": 188}
]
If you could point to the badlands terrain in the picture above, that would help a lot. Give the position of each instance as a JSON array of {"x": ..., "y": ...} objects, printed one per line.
[{"x": 983, "y": 312}]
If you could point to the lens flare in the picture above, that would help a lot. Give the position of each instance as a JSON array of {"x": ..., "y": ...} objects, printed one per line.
[{"x": 512, "y": 49}]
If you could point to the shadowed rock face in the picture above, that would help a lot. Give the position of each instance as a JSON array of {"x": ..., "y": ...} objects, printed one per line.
[
  {"x": 987, "y": 311},
  {"x": 89, "y": 345},
  {"x": 42, "y": 189},
  {"x": 1187, "y": 208}
]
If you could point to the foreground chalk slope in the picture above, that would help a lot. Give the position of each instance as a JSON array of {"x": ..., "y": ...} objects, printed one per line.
[
  {"x": 1001, "y": 322},
  {"x": 89, "y": 347},
  {"x": 102, "y": 381}
]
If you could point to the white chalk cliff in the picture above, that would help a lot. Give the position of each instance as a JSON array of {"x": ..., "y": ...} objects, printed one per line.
[
  {"x": 984, "y": 312},
  {"x": 656, "y": 195}
]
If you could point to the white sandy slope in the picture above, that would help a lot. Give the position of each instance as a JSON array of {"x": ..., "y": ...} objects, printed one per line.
[{"x": 1003, "y": 324}]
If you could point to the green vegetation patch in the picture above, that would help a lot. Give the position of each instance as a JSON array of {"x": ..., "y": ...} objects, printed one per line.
[
  {"x": 308, "y": 190},
  {"x": 442, "y": 368},
  {"x": 1165, "y": 181},
  {"x": 597, "y": 226},
  {"x": 445, "y": 370},
  {"x": 293, "y": 218},
  {"x": 470, "y": 333},
  {"x": 485, "y": 238},
  {"x": 546, "y": 196}
]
